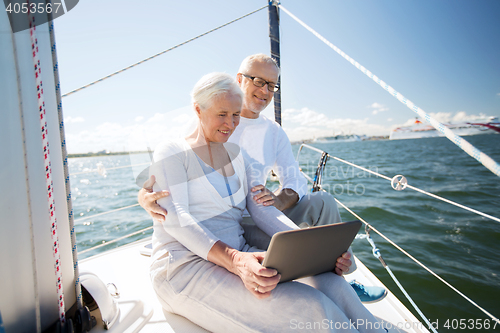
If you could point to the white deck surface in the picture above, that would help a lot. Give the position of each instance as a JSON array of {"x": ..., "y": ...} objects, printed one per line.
[{"x": 140, "y": 311}]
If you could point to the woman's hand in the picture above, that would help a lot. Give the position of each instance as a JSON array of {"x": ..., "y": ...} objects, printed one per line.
[
  {"x": 256, "y": 278},
  {"x": 147, "y": 199},
  {"x": 260, "y": 281}
]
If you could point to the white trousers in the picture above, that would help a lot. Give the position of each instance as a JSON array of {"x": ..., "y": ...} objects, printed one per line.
[{"x": 217, "y": 300}]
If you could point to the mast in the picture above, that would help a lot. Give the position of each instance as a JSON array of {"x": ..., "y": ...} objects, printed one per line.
[{"x": 274, "y": 35}]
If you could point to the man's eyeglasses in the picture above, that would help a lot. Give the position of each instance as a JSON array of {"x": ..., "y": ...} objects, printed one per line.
[{"x": 258, "y": 82}]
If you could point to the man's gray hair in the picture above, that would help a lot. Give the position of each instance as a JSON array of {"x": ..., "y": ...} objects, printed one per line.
[
  {"x": 213, "y": 85},
  {"x": 260, "y": 57}
]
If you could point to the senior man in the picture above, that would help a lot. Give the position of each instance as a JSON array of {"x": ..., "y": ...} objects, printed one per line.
[{"x": 266, "y": 147}]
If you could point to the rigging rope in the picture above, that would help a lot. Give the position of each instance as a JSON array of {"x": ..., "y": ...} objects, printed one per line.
[
  {"x": 64, "y": 152},
  {"x": 376, "y": 252},
  {"x": 106, "y": 169},
  {"x": 484, "y": 159},
  {"x": 104, "y": 213},
  {"x": 48, "y": 170},
  {"x": 158, "y": 54},
  {"x": 418, "y": 262},
  {"x": 378, "y": 255},
  {"x": 409, "y": 186},
  {"x": 115, "y": 240}
]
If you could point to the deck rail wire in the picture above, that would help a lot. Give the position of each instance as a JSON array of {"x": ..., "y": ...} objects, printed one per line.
[
  {"x": 370, "y": 227},
  {"x": 407, "y": 185}
]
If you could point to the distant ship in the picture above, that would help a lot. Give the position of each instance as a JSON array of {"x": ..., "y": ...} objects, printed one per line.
[
  {"x": 341, "y": 138},
  {"x": 420, "y": 130}
]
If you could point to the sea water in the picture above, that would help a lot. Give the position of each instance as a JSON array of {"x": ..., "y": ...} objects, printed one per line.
[{"x": 461, "y": 247}]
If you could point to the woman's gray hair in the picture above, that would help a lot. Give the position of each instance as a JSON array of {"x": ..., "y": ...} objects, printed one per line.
[
  {"x": 213, "y": 85},
  {"x": 259, "y": 57}
]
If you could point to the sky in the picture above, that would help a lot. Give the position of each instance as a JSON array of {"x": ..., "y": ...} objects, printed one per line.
[{"x": 442, "y": 55}]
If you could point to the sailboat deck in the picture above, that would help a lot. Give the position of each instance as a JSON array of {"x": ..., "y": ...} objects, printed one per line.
[{"x": 140, "y": 311}]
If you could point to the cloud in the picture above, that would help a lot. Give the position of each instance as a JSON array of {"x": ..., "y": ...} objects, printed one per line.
[
  {"x": 498, "y": 94},
  {"x": 71, "y": 120},
  {"x": 307, "y": 124},
  {"x": 299, "y": 124},
  {"x": 448, "y": 117},
  {"x": 138, "y": 136},
  {"x": 306, "y": 117},
  {"x": 377, "y": 108},
  {"x": 183, "y": 118},
  {"x": 462, "y": 116},
  {"x": 138, "y": 119}
]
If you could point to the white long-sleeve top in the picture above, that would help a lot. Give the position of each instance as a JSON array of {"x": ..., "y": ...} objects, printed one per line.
[
  {"x": 198, "y": 216},
  {"x": 266, "y": 147}
]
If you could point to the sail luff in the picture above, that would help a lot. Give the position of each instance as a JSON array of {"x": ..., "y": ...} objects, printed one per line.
[{"x": 274, "y": 35}]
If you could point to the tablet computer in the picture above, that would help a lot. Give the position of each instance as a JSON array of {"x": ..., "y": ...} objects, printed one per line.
[{"x": 310, "y": 251}]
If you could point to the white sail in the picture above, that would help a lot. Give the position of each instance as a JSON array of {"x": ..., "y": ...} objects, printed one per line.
[{"x": 28, "y": 283}]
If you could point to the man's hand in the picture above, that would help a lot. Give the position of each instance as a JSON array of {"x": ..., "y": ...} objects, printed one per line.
[
  {"x": 147, "y": 199},
  {"x": 343, "y": 263},
  {"x": 265, "y": 197},
  {"x": 286, "y": 199}
]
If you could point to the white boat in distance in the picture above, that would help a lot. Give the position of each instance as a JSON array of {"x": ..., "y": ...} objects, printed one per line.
[
  {"x": 341, "y": 138},
  {"x": 418, "y": 130}
]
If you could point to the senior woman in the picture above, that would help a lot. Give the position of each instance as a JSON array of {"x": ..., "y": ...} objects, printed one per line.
[{"x": 203, "y": 269}]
